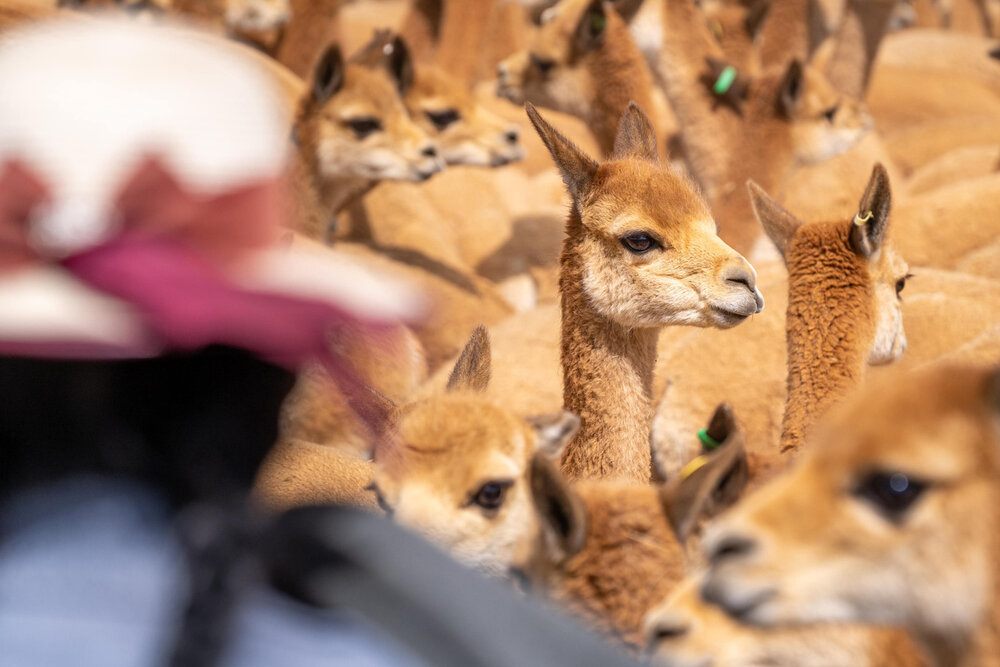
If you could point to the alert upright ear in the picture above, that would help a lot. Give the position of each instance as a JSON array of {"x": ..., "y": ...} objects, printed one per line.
[
  {"x": 590, "y": 30},
  {"x": 709, "y": 482},
  {"x": 561, "y": 512},
  {"x": 872, "y": 220},
  {"x": 779, "y": 224},
  {"x": 400, "y": 64},
  {"x": 790, "y": 92},
  {"x": 636, "y": 137},
  {"x": 576, "y": 167},
  {"x": 726, "y": 83},
  {"x": 474, "y": 366},
  {"x": 328, "y": 76},
  {"x": 554, "y": 431}
]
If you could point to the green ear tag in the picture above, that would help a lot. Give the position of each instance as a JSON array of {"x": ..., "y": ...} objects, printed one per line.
[
  {"x": 725, "y": 80},
  {"x": 707, "y": 440},
  {"x": 597, "y": 22}
]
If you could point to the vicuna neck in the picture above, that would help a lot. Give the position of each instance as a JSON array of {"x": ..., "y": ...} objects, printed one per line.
[
  {"x": 830, "y": 326},
  {"x": 620, "y": 75},
  {"x": 607, "y": 380},
  {"x": 708, "y": 129},
  {"x": 764, "y": 152},
  {"x": 321, "y": 198}
]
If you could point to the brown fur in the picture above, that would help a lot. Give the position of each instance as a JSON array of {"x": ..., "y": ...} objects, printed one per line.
[
  {"x": 593, "y": 78},
  {"x": 614, "y": 301},
  {"x": 298, "y": 472},
  {"x": 820, "y": 542},
  {"x": 314, "y": 24}
]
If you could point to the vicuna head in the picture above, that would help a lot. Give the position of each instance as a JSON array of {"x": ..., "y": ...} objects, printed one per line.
[
  {"x": 892, "y": 517},
  {"x": 456, "y": 469},
  {"x": 352, "y": 122},
  {"x": 686, "y": 631},
  {"x": 568, "y": 60},
  {"x": 823, "y": 123},
  {"x": 643, "y": 241},
  {"x": 855, "y": 254},
  {"x": 466, "y": 133},
  {"x": 613, "y": 549}
]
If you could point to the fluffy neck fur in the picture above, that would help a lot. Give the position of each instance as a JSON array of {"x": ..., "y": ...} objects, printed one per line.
[
  {"x": 607, "y": 380},
  {"x": 620, "y": 75},
  {"x": 854, "y": 46},
  {"x": 629, "y": 563},
  {"x": 830, "y": 325}
]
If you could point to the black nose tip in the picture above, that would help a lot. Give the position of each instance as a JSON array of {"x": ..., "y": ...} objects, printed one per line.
[
  {"x": 511, "y": 136},
  {"x": 730, "y": 548},
  {"x": 429, "y": 151},
  {"x": 667, "y": 629}
]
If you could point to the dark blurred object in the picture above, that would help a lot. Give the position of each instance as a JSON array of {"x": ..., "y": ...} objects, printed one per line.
[
  {"x": 191, "y": 425},
  {"x": 449, "y": 616}
]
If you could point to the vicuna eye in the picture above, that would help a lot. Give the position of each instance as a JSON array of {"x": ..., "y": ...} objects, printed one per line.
[
  {"x": 901, "y": 283},
  {"x": 892, "y": 493},
  {"x": 831, "y": 113},
  {"x": 543, "y": 65},
  {"x": 364, "y": 126},
  {"x": 638, "y": 242},
  {"x": 490, "y": 496},
  {"x": 443, "y": 119}
]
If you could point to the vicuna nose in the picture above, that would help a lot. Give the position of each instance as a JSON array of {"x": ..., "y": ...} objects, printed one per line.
[
  {"x": 429, "y": 151},
  {"x": 730, "y": 547},
  {"x": 512, "y": 135},
  {"x": 741, "y": 275}
]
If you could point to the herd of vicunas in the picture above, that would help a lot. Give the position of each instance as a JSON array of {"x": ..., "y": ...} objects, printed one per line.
[{"x": 597, "y": 405}]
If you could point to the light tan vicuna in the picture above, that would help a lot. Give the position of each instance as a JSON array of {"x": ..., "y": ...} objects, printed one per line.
[
  {"x": 640, "y": 253},
  {"x": 455, "y": 467},
  {"x": 352, "y": 131},
  {"x": 892, "y": 518}
]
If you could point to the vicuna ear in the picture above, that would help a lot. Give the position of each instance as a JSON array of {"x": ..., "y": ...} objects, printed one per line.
[
  {"x": 710, "y": 482},
  {"x": 995, "y": 53},
  {"x": 627, "y": 9},
  {"x": 561, "y": 513},
  {"x": 636, "y": 137},
  {"x": 329, "y": 74},
  {"x": 400, "y": 64},
  {"x": 779, "y": 224},
  {"x": 590, "y": 29},
  {"x": 576, "y": 167},
  {"x": 554, "y": 431},
  {"x": 726, "y": 83},
  {"x": 756, "y": 13},
  {"x": 869, "y": 225},
  {"x": 790, "y": 92},
  {"x": 473, "y": 368}
]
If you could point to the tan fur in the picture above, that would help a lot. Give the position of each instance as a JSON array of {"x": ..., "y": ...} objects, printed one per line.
[
  {"x": 313, "y": 25},
  {"x": 594, "y": 82},
  {"x": 914, "y": 146},
  {"x": 477, "y": 137},
  {"x": 298, "y": 472},
  {"x": 631, "y": 559},
  {"x": 954, "y": 166},
  {"x": 945, "y": 225},
  {"x": 614, "y": 301},
  {"x": 685, "y": 631},
  {"x": 334, "y": 166},
  {"x": 764, "y": 143},
  {"x": 816, "y": 546},
  {"x": 842, "y": 313}
]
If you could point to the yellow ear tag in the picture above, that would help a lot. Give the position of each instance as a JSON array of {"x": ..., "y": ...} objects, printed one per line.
[
  {"x": 860, "y": 220},
  {"x": 693, "y": 466}
]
